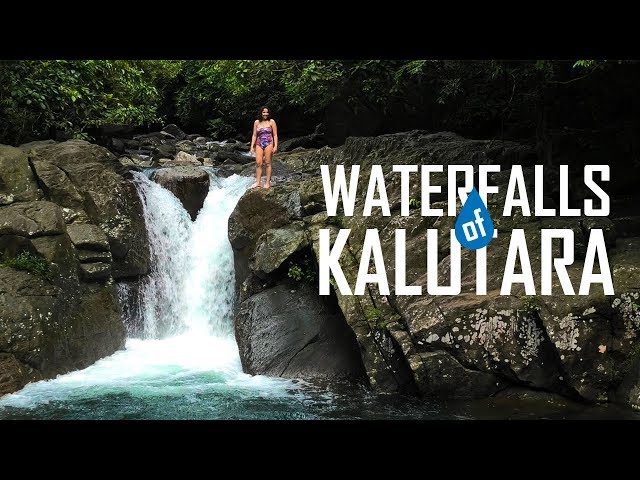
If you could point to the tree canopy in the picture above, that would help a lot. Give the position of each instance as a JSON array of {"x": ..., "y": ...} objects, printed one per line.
[{"x": 488, "y": 99}]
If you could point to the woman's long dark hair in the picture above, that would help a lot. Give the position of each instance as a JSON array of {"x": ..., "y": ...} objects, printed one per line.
[{"x": 260, "y": 113}]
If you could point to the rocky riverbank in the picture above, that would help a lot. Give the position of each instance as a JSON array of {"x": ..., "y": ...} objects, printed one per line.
[
  {"x": 71, "y": 227},
  {"x": 582, "y": 347}
]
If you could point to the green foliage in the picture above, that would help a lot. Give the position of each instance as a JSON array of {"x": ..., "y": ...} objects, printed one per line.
[
  {"x": 226, "y": 94},
  {"x": 373, "y": 314},
  {"x": 29, "y": 263},
  {"x": 219, "y": 128},
  {"x": 37, "y": 96},
  {"x": 301, "y": 273},
  {"x": 415, "y": 203},
  {"x": 313, "y": 83},
  {"x": 296, "y": 273},
  {"x": 479, "y": 99},
  {"x": 530, "y": 305},
  {"x": 375, "y": 317},
  {"x": 584, "y": 64},
  {"x": 233, "y": 90},
  {"x": 160, "y": 72}
]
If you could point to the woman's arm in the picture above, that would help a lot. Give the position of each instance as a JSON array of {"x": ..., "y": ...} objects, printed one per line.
[
  {"x": 275, "y": 135},
  {"x": 253, "y": 138}
]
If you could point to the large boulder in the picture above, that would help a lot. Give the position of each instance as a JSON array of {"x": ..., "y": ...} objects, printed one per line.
[
  {"x": 308, "y": 141},
  {"x": 242, "y": 158},
  {"x": 182, "y": 159},
  {"x": 57, "y": 185},
  {"x": 189, "y": 184},
  {"x": 174, "y": 131},
  {"x": 276, "y": 246},
  {"x": 54, "y": 327},
  {"x": 166, "y": 150},
  {"x": 267, "y": 234},
  {"x": 289, "y": 332},
  {"x": 258, "y": 211},
  {"x": 186, "y": 146},
  {"x": 88, "y": 236},
  {"x": 31, "y": 219},
  {"x": 441, "y": 375},
  {"x": 86, "y": 180}
]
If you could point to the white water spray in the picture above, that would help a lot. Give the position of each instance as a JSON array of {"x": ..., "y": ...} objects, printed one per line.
[
  {"x": 190, "y": 287},
  {"x": 187, "y": 365}
]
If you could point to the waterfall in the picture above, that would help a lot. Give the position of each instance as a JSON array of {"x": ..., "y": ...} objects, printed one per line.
[
  {"x": 190, "y": 287},
  {"x": 182, "y": 360},
  {"x": 187, "y": 365}
]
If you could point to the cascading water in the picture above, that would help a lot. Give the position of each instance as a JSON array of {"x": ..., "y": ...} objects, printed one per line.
[
  {"x": 181, "y": 360},
  {"x": 162, "y": 292},
  {"x": 190, "y": 287},
  {"x": 186, "y": 365}
]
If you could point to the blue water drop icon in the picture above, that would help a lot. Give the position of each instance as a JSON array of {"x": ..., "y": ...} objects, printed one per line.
[{"x": 474, "y": 227}]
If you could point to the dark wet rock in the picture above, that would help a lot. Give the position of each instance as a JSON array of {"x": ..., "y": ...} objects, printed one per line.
[
  {"x": 14, "y": 374},
  {"x": 88, "y": 256},
  {"x": 279, "y": 171},
  {"x": 35, "y": 144},
  {"x": 88, "y": 236},
  {"x": 627, "y": 226},
  {"x": 182, "y": 159},
  {"x": 16, "y": 180},
  {"x": 60, "y": 253},
  {"x": 189, "y": 184},
  {"x": 136, "y": 162},
  {"x": 57, "y": 185},
  {"x": 276, "y": 245},
  {"x": 174, "y": 131},
  {"x": 75, "y": 201},
  {"x": 149, "y": 139},
  {"x": 31, "y": 219},
  {"x": 226, "y": 170},
  {"x": 186, "y": 146},
  {"x": 259, "y": 210},
  {"x": 441, "y": 375},
  {"x": 579, "y": 346},
  {"x": 131, "y": 144},
  {"x": 235, "y": 156},
  {"x": 308, "y": 141},
  {"x": 95, "y": 271},
  {"x": 288, "y": 332},
  {"x": 166, "y": 150},
  {"x": 117, "y": 145},
  {"x": 56, "y": 328},
  {"x": 108, "y": 200}
]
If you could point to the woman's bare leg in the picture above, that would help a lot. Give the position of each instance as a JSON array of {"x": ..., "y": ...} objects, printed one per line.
[
  {"x": 259, "y": 156},
  {"x": 268, "y": 155}
]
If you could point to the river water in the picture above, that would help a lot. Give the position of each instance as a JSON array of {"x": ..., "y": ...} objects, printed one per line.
[{"x": 181, "y": 360}]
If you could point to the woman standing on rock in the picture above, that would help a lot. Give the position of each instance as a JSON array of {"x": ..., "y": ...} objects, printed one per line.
[{"x": 264, "y": 143}]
